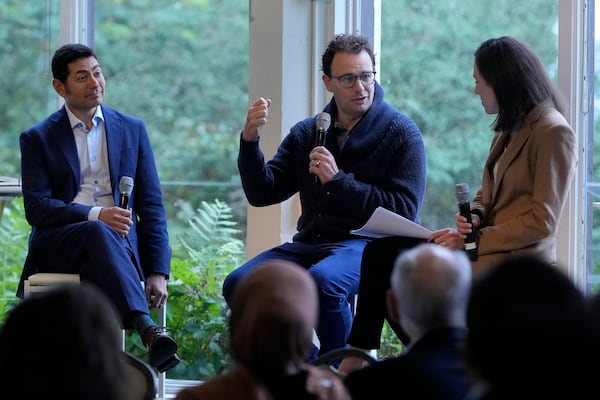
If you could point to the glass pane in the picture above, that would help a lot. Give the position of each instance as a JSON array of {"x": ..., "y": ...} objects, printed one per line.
[
  {"x": 427, "y": 72},
  {"x": 593, "y": 243},
  {"x": 29, "y": 35},
  {"x": 182, "y": 67}
]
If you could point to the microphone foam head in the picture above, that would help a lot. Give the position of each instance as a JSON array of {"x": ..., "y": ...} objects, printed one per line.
[
  {"x": 462, "y": 192},
  {"x": 323, "y": 121},
  {"x": 126, "y": 184}
]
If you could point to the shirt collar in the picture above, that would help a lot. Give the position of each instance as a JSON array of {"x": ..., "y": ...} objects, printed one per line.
[{"x": 74, "y": 121}]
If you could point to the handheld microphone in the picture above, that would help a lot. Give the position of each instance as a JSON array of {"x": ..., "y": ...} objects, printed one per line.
[
  {"x": 464, "y": 208},
  {"x": 125, "y": 189},
  {"x": 323, "y": 122}
]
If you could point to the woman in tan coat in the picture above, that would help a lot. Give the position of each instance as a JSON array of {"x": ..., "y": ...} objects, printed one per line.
[
  {"x": 524, "y": 186},
  {"x": 532, "y": 160}
]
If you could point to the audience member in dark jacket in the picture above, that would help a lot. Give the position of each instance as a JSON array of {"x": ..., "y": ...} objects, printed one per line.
[{"x": 428, "y": 297}]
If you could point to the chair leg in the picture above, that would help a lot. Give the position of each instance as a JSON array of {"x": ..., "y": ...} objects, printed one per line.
[{"x": 162, "y": 376}]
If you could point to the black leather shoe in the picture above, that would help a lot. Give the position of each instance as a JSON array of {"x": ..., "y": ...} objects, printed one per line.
[
  {"x": 161, "y": 348},
  {"x": 170, "y": 363}
]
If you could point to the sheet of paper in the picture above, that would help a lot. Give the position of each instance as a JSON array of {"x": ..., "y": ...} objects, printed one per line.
[{"x": 387, "y": 223}]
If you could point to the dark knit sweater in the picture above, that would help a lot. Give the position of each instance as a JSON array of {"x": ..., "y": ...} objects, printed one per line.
[{"x": 382, "y": 164}]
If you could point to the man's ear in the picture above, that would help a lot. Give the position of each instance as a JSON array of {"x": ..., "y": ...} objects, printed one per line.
[
  {"x": 59, "y": 87},
  {"x": 392, "y": 306},
  {"x": 327, "y": 81}
]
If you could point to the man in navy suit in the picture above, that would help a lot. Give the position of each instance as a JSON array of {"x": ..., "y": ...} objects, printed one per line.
[
  {"x": 430, "y": 287},
  {"x": 72, "y": 164}
]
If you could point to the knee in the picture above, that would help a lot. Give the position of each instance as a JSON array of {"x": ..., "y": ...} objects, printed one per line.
[{"x": 99, "y": 232}]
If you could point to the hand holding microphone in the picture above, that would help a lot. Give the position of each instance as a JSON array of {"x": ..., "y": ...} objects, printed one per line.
[
  {"x": 464, "y": 208},
  {"x": 323, "y": 123}
]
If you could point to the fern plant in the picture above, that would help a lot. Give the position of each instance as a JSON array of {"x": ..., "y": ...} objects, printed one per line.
[
  {"x": 197, "y": 313},
  {"x": 14, "y": 234}
]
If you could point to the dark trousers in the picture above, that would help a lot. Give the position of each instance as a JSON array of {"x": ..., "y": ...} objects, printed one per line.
[
  {"x": 375, "y": 271},
  {"x": 98, "y": 254},
  {"x": 336, "y": 270}
]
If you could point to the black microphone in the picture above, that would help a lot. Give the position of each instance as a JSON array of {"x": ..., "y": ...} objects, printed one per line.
[
  {"x": 323, "y": 122},
  {"x": 125, "y": 189},
  {"x": 464, "y": 208}
]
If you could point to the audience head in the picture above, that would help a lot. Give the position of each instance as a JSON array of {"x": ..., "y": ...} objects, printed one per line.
[
  {"x": 64, "y": 344},
  {"x": 528, "y": 332},
  {"x": 518, "y": 78},
  {"x": 429, "y": 288},
  {"x": 273, "y": 313}
]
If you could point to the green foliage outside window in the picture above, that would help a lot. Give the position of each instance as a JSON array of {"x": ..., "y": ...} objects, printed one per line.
[{"x": 196, "y": 311}]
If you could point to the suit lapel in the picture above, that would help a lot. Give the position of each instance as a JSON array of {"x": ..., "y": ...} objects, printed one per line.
[
  {"x": 61, "y": 133},
  {"x": 520, "y": 137},
  {"x": 113, "y": 145}
]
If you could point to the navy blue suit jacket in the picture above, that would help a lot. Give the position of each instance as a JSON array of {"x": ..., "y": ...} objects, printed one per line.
[
  {"x": 50, "y": 175},
  {"x": 431, "y": 369}
]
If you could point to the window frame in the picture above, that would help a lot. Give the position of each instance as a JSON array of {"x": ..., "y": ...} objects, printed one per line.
[{"x": 285, "y": 67}]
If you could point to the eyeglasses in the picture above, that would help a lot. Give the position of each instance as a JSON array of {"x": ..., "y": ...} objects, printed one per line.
[{"x": 347, "y": 81}]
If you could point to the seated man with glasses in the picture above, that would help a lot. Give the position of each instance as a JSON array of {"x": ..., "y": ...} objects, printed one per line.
[{"x": 370, "y": 155}]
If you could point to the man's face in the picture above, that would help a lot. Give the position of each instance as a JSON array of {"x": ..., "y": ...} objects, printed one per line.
[
  {"x": 84, "y": 88},
  {"x": 355, "y": 101}
]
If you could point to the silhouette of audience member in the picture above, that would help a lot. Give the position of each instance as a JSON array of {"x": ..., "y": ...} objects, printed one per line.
[
  {"x": 428, "y": 297},
  {"x": 275, "y": 309},
  {"x": 528, "y": 334},
  {"x": 594, "y": 317},
  {"x": 66, "y": 344}
]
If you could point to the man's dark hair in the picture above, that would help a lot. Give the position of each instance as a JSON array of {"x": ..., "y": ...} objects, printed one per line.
[
  {"x": 345, "y": 43},
  {"x": 65, "y": 56}
]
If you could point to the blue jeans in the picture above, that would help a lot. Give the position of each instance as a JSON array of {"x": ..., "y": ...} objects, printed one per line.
[{"x": 336, "y": 270}]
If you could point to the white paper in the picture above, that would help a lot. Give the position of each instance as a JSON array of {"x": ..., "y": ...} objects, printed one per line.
[{"x": 384, "y": 222}]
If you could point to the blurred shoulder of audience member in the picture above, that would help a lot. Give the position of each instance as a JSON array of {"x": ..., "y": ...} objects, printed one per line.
[
  {"x": 274, "y": 311},
  {"x": 66, "y": 344},
  {"x": 529, "y": 334}
]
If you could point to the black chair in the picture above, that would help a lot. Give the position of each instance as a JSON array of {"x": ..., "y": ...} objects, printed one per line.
[
  {"x": 332, "y": 357},
  {"x": 144, "y": 373}
]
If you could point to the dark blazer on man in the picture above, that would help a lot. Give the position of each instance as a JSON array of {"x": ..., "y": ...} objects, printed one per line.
[
  {"x": 50, "y": 181},
  {"x": 430, "y": 369}
]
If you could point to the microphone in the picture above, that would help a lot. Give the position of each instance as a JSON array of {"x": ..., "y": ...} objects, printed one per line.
[
  {"x": 323, "y": 122},
  {"x": 464, "y": 208},
  {"x": 125, "y": 189}
]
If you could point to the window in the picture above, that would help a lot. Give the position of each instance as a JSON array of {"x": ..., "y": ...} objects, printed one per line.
[
  {"x": 189, "y": 69},
  {"x": 426, "y": 69},
  {"x": 427, "y": 73},
  {"x": 183, "y": 68},
  {"x": 30, "y": 33}
]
